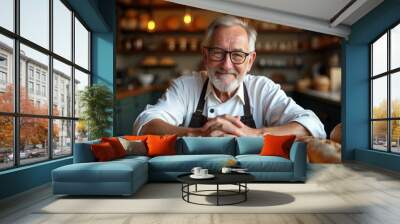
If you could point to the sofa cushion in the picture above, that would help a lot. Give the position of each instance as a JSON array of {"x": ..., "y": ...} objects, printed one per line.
[
  {"x": 206, "y": 145},
  {"x": 112, "y": 171},
  {"x": 83, "y": 152},
  {"x": 257, "y": 163},
  {"x": 103, "y": 152},
  {"x": 249, "y": 145},
  {"x": 134, "y": 147},
  {"x": 160, "y": 145},
  {"x": 116, "y": 145},
  {"x": 277, "y": 145},
  {"x": 185, "y": 163}
]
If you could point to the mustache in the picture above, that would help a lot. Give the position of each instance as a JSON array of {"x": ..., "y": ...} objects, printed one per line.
[{"x": 232, "y": 72}]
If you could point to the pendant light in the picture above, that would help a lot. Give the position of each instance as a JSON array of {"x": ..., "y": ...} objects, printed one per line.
[
  {"x": 151, "y": 24},
  {"x": 187, "y": 18}
]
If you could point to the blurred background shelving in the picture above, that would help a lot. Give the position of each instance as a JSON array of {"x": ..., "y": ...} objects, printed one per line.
[{"x": 302, "y": 62}]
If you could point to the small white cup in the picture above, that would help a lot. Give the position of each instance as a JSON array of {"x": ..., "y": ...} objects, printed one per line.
[
  {"x": 203, "y": 172},
  {"x": 196, "y": 170},
  {"x": 226, "y": 170}
]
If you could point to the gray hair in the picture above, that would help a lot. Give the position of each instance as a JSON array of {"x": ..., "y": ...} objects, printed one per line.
[{"x": 229, "y": 21}]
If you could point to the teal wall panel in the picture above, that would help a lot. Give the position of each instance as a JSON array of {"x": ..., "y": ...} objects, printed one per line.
[{"x": 355, "y": 92}]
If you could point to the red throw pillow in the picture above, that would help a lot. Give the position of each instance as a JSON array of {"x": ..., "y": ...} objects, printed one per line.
[
  {"x": 103, "y": 151},
  {"x": 277, "y": 145},
  {"x": 136, "y": 137},
  {"x": 161, "y": 145},
  {"x": 116, "y": 145}
]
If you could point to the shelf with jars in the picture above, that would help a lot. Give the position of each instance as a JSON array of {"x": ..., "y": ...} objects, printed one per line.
[{"x": 173, "y": 46}]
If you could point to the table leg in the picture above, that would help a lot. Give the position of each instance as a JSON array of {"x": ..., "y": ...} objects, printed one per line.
[
  {"x": 217, "y": 194},
  {"x": 245, "y": 191}
]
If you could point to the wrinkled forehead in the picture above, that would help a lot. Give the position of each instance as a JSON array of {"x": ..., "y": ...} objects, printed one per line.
[{"x": 230, "y": 38}]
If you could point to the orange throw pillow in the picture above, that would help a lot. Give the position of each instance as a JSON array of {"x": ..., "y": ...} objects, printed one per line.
[
  {"x": 161, "y": 145},
  {"x": 103, "y": 151},
  {"x": 136, "y": 137},
  {"x": 277, "y": 145},
  {"x": 116, "y": 145}
]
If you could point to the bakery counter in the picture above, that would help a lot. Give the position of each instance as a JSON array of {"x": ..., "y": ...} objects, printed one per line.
[
  {"x": 325, "y": 105},
  {"x": 331, "y": 97},
  {"x": 123, "y": 92}
]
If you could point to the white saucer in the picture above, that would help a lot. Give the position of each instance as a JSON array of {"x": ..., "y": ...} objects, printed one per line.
[{"x": 208, "y": 176}]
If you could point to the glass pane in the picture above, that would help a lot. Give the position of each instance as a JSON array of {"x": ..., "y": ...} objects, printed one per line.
[
  {"x": 81, "y": 131},
  {"x": 395, "y": 47},
  {"x": 379, "y": 98},
  {"x": 6, "y": 74},
  {"x": 35, "y": 21},
  {"x": 379, "y": 135},
  {"x": 81, "y": 45},
  {"x": 379, "y": 55},
  {"x": 81, "y": 81},
  {"x": 395, "y": 95},
  {"x": 34, "y": 92},
  {"x": 395, "y": 138},
  {"x": 62, "y": 138},
  {"x": 62, "y": 30},
  {"x": 7, "y": 14},
  {"x": 33, "y": 139},
  {"x": 6, "y": 142},
  {"x": 62, "y": 89}
]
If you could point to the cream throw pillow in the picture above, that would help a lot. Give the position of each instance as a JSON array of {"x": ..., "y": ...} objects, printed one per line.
[{"x": 136, "y": 147}]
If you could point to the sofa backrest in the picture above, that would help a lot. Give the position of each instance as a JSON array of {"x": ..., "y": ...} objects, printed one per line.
[
  {"x": 83, "y": 153},
  {"x": 249, "y": 145},
  {"x": 206, "y": 145}
]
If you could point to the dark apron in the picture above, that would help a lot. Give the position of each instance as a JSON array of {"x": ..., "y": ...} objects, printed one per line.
[{"x": 198, "y": 120}]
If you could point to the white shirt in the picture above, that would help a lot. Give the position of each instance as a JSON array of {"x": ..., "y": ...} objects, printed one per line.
[{"x": 269, "y": 104}]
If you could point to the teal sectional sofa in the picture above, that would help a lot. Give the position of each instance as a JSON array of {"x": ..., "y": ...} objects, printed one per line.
[{"x": 125, "y": 176}]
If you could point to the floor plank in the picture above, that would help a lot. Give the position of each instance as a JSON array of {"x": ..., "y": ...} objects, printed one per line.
[{"x": 376, "y": 189}]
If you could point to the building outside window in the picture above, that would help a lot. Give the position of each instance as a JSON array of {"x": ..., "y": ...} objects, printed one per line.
[
  {"x": 385, "y": 94},
  {"x": 59, "y": 133}
]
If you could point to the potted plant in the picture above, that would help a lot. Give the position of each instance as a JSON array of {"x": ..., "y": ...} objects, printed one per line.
[{"x": 96, "y": 102}]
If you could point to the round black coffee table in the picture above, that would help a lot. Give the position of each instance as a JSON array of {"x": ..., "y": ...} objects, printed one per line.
[{"x": 238, "y": 179}]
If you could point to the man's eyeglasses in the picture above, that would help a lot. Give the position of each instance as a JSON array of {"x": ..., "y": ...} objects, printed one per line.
[{"x": 218, "y": 54}]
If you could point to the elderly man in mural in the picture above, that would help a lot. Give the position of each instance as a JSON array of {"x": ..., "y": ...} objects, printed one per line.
[{"x": 226, "y": 100}]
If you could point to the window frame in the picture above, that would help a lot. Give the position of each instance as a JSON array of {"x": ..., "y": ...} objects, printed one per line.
[
  {"x": 16, "y": 114},
  {"x": 388, "y": 74}
]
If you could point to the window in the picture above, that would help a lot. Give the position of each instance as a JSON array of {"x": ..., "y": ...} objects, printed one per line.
[
  {"x": 38, "y": 89},
  {"x": 30, "y": 87},
  {"x": 3, "y": 61},
  {"x": 43, "y": 77},
  {"x": 37, "y": 75},
  {"x": 385, "y": 94},
  {"x": 7, "y": 14},
  {"x": 44, "y": 91},
  {"x": 30, "y": 72},
  {"x": 3, "y": 72},
  {"x": 3, "y": 78},
  {"x": 39, "y": 81}
]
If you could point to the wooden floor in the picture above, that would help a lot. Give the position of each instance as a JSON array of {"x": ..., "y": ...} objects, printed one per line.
[{"x": 378, "y": 188}]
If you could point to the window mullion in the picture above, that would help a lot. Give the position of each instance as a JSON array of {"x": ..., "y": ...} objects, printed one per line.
[
  {"x": 50, "y": 79},
  {"x": 16, "y": 84},
  {"x": 389, "y": 108},
  {"x": 73, "y": 82}
]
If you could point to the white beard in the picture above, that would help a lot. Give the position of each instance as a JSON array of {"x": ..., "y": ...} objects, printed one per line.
[{"x": 220, "y": 85}]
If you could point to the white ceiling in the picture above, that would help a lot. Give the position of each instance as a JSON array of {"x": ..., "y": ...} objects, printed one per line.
[{"x": 315, "y": 15}]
